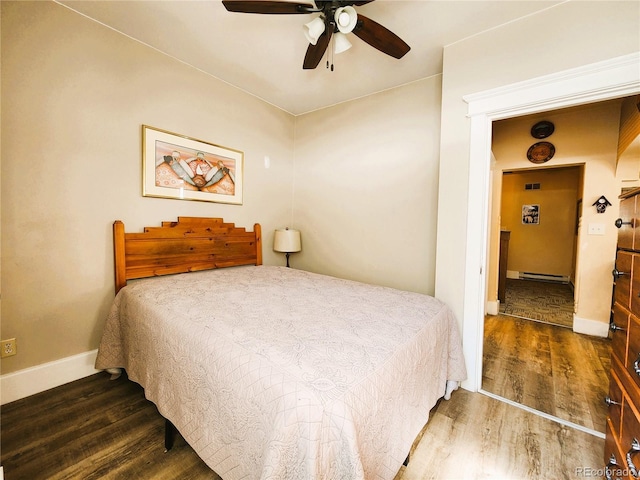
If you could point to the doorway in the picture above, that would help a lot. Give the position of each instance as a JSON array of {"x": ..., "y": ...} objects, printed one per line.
[
  {"x": 604, "y": 80},
  {"x": 539, "y": 250},
  {"x": 531, "y": 356}
]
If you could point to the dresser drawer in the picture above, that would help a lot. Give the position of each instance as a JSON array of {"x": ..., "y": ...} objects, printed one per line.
[
  {"x": 622, "y": 278},
  {"x": 633, "y": 350},
  {"x": 614, "y": 459},
  {"x": 626, "y": 223},
  {"x": 614, "y": 400},
  {"x": 630, "y": 439},
  {"x": 619, "y": 333},
  {"x": 635, "y": 282}
]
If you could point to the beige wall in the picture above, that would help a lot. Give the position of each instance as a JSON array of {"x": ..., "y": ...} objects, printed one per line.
[
  {"x": 74, "y": 97},
  {"x": 568, "y": 35},
  {"x": 545, "y": 247},
  {"x": 366, "y": 187}
]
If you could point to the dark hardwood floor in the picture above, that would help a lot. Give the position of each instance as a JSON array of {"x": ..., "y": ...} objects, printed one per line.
[
  {"x": 97, "y": 428},
  {"x": 92, "y": 428}
]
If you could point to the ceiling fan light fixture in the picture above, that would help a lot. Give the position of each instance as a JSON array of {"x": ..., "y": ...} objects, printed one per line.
[
  {"x": 314, "y": 29},
  {"x": 341, "y": 43},
  {"x": 346, "y": 19}
]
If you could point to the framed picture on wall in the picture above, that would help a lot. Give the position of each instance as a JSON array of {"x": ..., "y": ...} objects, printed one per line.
[
  {"x": 181, "y": 167},
  {"x": 531, "y": 214}
]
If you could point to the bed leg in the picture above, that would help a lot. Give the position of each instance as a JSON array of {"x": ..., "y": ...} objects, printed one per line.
[
  {"x": 406, "y": 462},
  {"x": 169, "y": 435}
]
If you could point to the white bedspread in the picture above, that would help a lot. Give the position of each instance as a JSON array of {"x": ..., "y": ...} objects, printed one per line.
[{"x": 276, "y": 373}]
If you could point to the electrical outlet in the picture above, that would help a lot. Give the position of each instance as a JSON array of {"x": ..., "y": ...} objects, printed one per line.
[{"x": 8, "y": 347}]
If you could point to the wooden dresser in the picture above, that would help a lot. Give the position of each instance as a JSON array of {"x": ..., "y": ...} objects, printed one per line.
[{"x": 622, "y": 444}]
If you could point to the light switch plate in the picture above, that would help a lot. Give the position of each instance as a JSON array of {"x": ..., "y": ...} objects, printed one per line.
[{"x": 596, "y": 229}]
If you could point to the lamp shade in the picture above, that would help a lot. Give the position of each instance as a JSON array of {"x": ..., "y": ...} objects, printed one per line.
[
  {"x": 341, "y": 43},
  {"x": 314, "y": 29},
  {"x": 346, "y": 19},
  {"x": 287, "y": 240}
]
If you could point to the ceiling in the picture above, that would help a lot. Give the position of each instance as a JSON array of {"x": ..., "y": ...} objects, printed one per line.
[{"x": 263, "y": 54}]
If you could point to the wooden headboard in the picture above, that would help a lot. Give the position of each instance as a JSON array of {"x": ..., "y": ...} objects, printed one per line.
[{"x": 188, "y": 245}]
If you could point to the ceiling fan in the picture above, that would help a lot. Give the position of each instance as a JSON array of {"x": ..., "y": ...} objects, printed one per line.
[{"x": 336, "y": 17}]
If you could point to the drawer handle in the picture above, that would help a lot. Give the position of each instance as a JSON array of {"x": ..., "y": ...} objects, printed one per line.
[
  {"x": 615, "y": 328},
  {"x": 617, "y": 273},
  {"x": 610, "y": 402},
  {"x": 619, "y": 223},
  {"x": 612, "y": 464},
  {"x": 636, "y": 365},
  {"x": 635, "y": 448}
]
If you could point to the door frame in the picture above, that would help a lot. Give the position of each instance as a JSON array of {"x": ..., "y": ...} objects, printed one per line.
[{"x": 614, "y": 78}]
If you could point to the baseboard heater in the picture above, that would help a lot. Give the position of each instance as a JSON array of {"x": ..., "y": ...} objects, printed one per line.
[{"x": 544, "y": 277}]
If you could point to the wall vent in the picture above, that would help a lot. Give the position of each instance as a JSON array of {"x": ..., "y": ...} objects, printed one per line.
[{"x": 532, "y": 186}]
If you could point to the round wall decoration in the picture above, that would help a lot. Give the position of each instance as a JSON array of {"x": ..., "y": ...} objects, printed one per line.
[
  {"x": 542, "y": 129},
  {"x": 541, "y": 152}
]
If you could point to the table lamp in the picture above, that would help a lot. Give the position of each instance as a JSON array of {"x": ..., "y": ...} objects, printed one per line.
[{"x": 286, "y": 240}]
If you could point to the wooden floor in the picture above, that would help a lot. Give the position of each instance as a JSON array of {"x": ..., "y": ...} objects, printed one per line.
[
  {"x": 548, "y": 368},
  {"x": 96, "y": 428}
]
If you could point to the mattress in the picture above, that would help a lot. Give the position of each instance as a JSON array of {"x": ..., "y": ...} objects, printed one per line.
[{"x": 272, "y": 372}]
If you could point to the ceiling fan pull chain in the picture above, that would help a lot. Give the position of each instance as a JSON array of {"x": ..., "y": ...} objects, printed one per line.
[{"x": 331, "y": 50}]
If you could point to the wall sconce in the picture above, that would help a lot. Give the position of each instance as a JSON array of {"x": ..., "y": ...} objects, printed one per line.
[{"x": 287, "y": 241}]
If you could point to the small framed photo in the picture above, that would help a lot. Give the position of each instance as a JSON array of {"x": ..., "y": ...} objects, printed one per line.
[
  {"x": 531, "y": 214},
  {"x": 181, "y": 167}
]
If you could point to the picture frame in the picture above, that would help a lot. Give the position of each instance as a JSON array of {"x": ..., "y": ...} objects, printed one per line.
[
  {"x": 531, "y": 214},
  {"x": 185, "y": 168}
]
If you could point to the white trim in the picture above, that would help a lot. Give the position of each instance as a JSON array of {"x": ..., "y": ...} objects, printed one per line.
[
  {"x": 560, "y": 89},
  {"x": 590, "y": 327},
  {"x": 601, "y": 81},
  {"x": 493, "y": 307},
  {"x": 515, "y": 274},
  {"x": 566, "y": 423},
  {"x": 476, "y": 249},
  {"x": 23, "y": 383}
]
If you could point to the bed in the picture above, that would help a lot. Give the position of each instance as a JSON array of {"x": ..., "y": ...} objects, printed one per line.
[{"x": 272, "y": 372}]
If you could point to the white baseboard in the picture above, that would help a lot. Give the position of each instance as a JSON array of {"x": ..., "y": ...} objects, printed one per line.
[
  {"x": 513, "y": 274},
  {"x": 590, "y": 327},
  {"x": 493, "y": 307},
  {"x": 23, "y": 383}
]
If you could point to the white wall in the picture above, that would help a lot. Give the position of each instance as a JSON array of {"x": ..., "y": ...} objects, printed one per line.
[
  {"x": 366, "y": 183},
  {"x": 74, "y": 97},
  {"x": 568, "y": 35}
]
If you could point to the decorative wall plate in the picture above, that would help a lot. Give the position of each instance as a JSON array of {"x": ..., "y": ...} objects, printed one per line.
[
  {"x": 542, "y": 129},
  {"x": 541, "y": 152}
]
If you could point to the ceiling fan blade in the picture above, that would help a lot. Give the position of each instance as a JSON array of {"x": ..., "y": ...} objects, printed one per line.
[
  {"x": 316, "y": 52},
  {"x": 380, "y": 37},
  {"x": 266, "y": 6}
]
